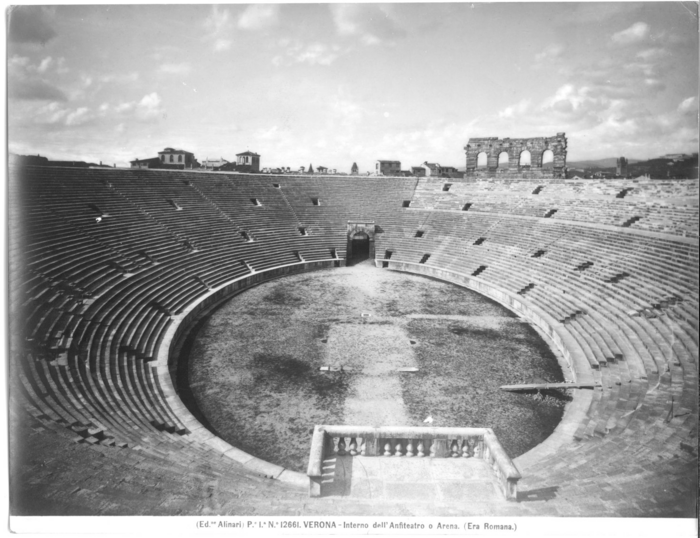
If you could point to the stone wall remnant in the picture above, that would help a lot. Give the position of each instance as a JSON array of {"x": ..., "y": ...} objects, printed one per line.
[{"x": 524, "y": 157}]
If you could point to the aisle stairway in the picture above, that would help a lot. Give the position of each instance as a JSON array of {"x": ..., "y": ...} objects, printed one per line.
[{"x": 104, "y": 264}]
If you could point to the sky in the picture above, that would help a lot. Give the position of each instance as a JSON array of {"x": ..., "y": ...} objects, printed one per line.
[{"x": 333, "y": 84}]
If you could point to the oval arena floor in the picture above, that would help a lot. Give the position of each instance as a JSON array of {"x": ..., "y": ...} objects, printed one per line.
[{"x": 110, "y": 269}]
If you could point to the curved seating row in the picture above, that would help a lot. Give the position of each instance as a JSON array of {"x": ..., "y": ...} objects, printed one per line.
[
  {"x": 670, "y": 207},
  {"x": 104, "y": 262}
]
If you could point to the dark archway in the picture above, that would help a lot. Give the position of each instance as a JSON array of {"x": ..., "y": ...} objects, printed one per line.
[{"x": 360, "y": 248}]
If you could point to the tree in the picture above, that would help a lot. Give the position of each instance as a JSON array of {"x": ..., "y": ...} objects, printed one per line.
[
  {"x": 311, "y": 168},
  {"x": 354, "y": 170}
]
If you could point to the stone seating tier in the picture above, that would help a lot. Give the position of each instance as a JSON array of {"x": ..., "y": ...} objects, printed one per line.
[{"x": 96, "y": 302}]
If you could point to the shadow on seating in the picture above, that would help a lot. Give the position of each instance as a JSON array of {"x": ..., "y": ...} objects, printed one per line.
[{"x": 542, "y": 494}]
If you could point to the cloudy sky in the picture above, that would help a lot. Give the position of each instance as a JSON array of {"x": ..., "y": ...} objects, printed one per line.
[{"x": 330, "y": 84}]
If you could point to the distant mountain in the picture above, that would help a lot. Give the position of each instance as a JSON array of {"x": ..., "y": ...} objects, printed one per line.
[
  {"x": 678, "y": 166},
  {"x": 610, "y": 162}
]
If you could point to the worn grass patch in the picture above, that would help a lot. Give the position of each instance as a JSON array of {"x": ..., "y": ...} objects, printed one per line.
[
  {"x": 253, "y": 369},
  {"x": 463, "y": 365}
]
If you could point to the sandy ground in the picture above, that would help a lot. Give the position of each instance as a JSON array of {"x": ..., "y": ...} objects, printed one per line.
[{"x": 255, "y": 367}]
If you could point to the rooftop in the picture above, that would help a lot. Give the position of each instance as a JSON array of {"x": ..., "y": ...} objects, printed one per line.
[{"x": 172, "y": 150}]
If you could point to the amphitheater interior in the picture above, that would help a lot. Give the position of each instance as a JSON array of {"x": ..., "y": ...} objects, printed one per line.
[{"x": 109, "y": 268}]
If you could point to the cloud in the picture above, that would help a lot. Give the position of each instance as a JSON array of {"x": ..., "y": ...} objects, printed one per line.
[
  {"x": 119, "y": 77},
  {"x": 175, "y": 69},
  {"x": 346, "y": 112},
  {"x": 592, "y": 12},
  {"x": 634, "y": 34},
  {"x": 59, "y": 115},
  {"x": 29, "y": 25},
  {"x": 79, "y": 116},
  {"x": 149, "y": 107},
  {"x": 22, "y": 66},
  {"x": 18, "y": 61},
  {"x": 652, "y": 54},
  {"x": 33, "y": 89},
  {"x": 259, "y": 16},
  {"x": 45, "y": 64},
  {"x": 315, "y": 53},
  {"x": 50, "y": 113},
  {"x": 599, "y": 122},
  {"x": 549, "y": 53},
  {"x": 689, "y": 106},
  {"x": 218, "y": 28},
  {"x": 371, "y": 23},
  {"x": 514, "y": 110}
]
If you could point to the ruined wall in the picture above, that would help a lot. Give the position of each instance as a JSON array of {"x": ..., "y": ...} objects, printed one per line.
[{"x": 493, "y": 147}]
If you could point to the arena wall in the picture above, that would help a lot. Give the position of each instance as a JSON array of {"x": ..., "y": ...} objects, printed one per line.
[
  {"x": 515, "y": 147},
  {"x": 109, "y": 268}
]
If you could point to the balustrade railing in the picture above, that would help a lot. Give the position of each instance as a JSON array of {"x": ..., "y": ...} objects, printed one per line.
[{"x": 481, "y": 443}]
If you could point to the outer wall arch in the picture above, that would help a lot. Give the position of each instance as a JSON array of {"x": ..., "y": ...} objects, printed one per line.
[{"x": 493, "y": 147}]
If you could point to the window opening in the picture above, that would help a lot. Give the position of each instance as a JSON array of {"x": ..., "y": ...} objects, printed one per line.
[{"x": 479, "y": 270}]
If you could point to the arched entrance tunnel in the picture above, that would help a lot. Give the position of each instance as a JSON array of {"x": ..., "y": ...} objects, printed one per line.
[
  {"x": 360, "y": 247},
  {"x": 360, "y": 236}
]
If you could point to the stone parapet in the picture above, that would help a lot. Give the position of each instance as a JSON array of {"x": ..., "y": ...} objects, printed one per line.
[{"x": 368, "y": 441}]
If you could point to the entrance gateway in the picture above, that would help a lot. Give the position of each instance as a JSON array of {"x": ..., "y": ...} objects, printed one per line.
[{"x": 361, "y": 233}]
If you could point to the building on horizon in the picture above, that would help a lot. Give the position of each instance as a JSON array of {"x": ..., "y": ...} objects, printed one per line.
[
  {"x": 387, "y": 168},
  {"x": 152, "y": 162},
  {"x": 38, "y": 160},
  {"x": 622, "y": 167},
  {"x": 418, "y": 171},
  {"x": 213, "y": 164},
  {"x": 177, "y": 158},
  {"x": 248, "y": 161},
  {"x": 431, "y": 169}
]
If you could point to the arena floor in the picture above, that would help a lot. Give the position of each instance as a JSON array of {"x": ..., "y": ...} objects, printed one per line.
[{"x": 254, "y": 369}]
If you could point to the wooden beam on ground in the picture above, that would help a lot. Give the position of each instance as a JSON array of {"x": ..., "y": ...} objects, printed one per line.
[{"x": 545, "y": 386}]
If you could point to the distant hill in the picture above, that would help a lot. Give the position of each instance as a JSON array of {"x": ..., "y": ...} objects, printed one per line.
[
  {"x": 672, "y": 166},
  {"x": 610, "y": 162}
]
